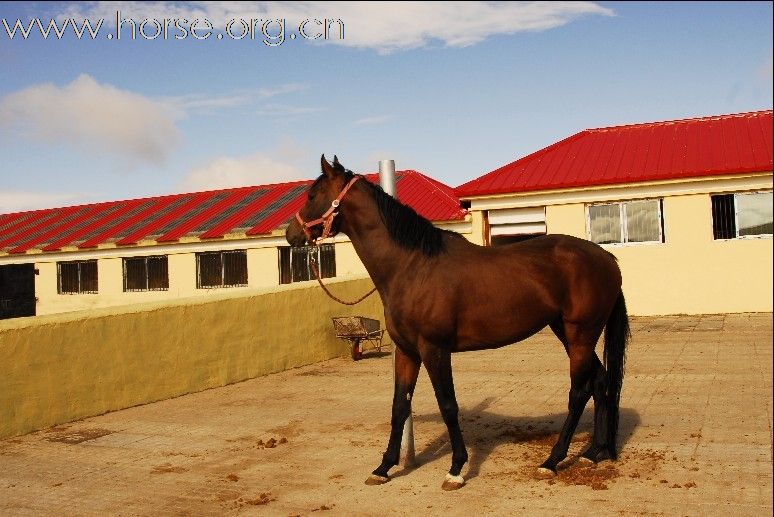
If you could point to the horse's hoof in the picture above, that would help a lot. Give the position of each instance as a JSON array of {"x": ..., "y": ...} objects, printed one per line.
[
  {"x": 583, "y": 461},
  {"x": 453, "y": 482},
  {"x": 373, "y": 479},
  {"x": 544, "y": 473}
]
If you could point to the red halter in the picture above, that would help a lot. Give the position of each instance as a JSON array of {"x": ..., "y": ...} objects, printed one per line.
[{"x": 327, "y": 218}]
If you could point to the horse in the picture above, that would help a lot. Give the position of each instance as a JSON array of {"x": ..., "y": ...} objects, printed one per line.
[{"x": 443, "y": 294}]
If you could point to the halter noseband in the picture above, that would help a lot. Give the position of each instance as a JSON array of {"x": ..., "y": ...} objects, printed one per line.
[{"x": 326, "y": 220}]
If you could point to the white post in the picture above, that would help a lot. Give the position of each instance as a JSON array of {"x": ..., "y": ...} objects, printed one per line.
[{"x": 407, "y": 456}]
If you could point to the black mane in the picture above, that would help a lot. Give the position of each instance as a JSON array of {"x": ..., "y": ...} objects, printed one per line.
[{"x": 407, "y": 228}]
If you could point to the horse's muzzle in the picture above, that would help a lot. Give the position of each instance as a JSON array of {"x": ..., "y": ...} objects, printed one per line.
[{"x": 295, "y": 234}]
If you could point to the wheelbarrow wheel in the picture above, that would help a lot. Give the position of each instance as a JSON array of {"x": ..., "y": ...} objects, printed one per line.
[{"x": 357, "y": 353}]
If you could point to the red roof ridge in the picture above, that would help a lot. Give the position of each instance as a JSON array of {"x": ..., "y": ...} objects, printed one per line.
[
  {"x": 447, "y": 191},
  {"x": 681, "y": 120}
]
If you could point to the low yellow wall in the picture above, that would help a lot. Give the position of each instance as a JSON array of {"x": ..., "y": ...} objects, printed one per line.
[{"x": 63, "y": 367}]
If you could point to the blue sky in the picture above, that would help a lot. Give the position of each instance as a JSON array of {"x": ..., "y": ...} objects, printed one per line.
[{"x": 452, "y": 90}]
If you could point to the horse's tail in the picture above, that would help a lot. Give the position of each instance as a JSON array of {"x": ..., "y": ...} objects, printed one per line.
[{"x": 617, "y": 335}]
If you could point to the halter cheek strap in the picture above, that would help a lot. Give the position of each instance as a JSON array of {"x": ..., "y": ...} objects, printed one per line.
[{"x": 326, "y": 220}]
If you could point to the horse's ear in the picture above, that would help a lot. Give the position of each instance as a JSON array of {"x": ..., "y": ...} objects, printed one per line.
[
  {"x": 339, "y": 168},
  {"x": 326, "y": 168}
]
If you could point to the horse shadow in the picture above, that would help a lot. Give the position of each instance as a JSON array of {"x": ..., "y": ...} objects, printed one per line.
[
  {"x": 484, "y": 431},
  {"x": 375, "y": 354}
]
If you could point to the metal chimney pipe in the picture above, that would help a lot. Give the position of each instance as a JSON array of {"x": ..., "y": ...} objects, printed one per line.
[
  {"x": 407, "y": 454},
  {"x": 387, "y": 177}
]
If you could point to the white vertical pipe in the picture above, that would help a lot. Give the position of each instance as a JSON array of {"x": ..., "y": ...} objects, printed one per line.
[
  {"x": 387, "y": 177},
  {"x": 407, "y": 455}
]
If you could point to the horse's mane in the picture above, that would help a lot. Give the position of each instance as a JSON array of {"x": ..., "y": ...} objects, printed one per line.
[{"x": 407, "y": 228}]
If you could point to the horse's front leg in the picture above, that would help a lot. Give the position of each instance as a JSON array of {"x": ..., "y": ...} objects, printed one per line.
[
  {"x": 406, "y": 372},
  {"x": 438, "y": 364}
]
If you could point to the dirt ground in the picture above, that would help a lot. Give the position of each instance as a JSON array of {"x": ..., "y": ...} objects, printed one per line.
[{"x": 696, "y": 438}]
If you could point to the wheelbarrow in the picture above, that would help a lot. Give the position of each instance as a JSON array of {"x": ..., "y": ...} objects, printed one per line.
[{"x": 359, "y": 331}]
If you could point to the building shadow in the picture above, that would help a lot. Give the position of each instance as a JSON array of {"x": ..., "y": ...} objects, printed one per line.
[{"x": 484, "y": 431}]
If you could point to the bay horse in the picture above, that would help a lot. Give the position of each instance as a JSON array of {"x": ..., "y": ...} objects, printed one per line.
[{"x": 444, "y": 294}]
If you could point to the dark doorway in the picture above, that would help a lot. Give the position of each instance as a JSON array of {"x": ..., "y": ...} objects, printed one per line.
[
  {"x": 17, "y": 291},
  {"x": 502, "y": 240}
]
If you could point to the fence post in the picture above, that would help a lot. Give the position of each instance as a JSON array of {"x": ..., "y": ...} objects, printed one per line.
[{"x": 407, "y": 455}]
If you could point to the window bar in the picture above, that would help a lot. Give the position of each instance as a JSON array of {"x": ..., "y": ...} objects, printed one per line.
[{"x": 622, "y": 219}]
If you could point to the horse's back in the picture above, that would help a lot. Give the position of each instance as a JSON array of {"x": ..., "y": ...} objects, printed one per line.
[
  {"x": 527, "y": 285},
  {"x": 586, "y": 274}
]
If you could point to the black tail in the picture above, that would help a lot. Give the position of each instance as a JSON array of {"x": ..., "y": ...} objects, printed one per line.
[{"x": 617, "y": 335}]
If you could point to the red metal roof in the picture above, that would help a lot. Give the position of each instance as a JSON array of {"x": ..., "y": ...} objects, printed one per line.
[
  {"x": 708, "y": 146},
  {"x": 257, "y": 210}
]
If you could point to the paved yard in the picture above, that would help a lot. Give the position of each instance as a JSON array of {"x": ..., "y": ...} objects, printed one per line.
[{"x": 696, "y": 439}]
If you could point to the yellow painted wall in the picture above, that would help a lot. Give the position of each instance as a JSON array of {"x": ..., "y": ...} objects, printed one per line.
[
  {"x": 63, "y": 367},
  {"x": 690, "y": 273},
  {"x": 262, "y": 271},
  {"x": 567, "y": 219},
  {"x": 477, "y": 234},
  {"x": 262, "y": 267},
  {"x": 347, "y": 261},
  {"x": 182, "y": 284}
]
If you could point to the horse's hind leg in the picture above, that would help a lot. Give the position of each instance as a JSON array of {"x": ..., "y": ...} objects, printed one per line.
[
  {"x": 406, "y": 373},
  {"x": 579, "y": 344},
  {"x": 598, "y": 450}
]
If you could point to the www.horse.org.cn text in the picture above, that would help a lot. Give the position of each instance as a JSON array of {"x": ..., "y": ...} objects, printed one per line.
[{"x": 271, "y": 32}]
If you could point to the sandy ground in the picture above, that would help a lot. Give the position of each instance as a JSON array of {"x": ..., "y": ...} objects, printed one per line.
[{"x": 696, "y": 438}]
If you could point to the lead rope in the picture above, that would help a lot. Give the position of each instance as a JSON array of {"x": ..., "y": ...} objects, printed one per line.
[{"x": 313, "y": 263}]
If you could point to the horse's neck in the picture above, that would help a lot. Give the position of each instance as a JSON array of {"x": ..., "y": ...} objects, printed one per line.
[{"x": 380, "y": 255}]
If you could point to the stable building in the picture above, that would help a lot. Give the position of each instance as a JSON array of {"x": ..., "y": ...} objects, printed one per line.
[
  {"x": 685, "y": 206},
  {"x": 160, "y": 248}
]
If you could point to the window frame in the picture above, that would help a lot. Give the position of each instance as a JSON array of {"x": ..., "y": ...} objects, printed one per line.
[
  {"x": 623, "y": 219},
  {"x": 222, "y": 284},
  {"x": 325, "y": 272},
  {"x": 79, "y": 263},
  {"x": 147, "y": 273},
  {"x": 736, "y": 216}
]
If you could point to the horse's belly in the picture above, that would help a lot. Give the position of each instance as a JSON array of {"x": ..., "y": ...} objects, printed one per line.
[{"x": 497, "y": 330}]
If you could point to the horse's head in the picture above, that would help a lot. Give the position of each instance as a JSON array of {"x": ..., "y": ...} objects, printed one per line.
[{"x": 317, "y": 218}]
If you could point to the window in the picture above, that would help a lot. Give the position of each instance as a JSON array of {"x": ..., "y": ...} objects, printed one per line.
[
  {"x": 626, "y": 222},
  {"x": 741, "y": 215},
  {"x": 146, "y": 274},
  {"x": 77, "y": 277},
  {"x": 515, "y": 224},
  {"x": 221, "y": 269},
  {"x": 294, "y": 263}
]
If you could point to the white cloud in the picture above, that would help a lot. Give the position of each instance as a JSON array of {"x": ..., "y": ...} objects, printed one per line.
[
  {"x": 282, "y": 89},
  {"x": 22, "y": 200},
  {"x": 183, "y": 104},
  {"x": 93, "y": 117},
  {"x": 255, "y": 169},
  {"x": 382, "y": 26},
  {"x": 372, "y": 121},
  {"x": 284, "y": 110}
]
